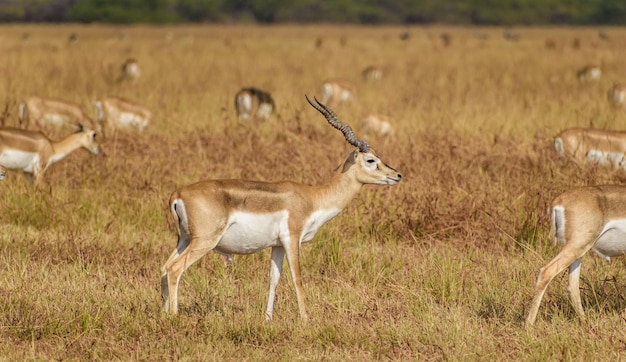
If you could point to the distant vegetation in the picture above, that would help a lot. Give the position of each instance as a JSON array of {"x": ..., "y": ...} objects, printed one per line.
[{"x": 489, "y": 12}]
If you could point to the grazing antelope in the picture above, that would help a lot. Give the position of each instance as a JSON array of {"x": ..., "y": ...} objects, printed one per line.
[
  {"x": 244, "y": 217},
  {"x": 46, "y": 112},
  {"x": 335, "y": 92},
  {"x": 130, "y": 70},
  {"x": 33, "y": 152},
  {"x": 590, "y": 73},
  {"x": 253, "y": 103},
  {"x": 617, "y": 94},
  {"x": 606, "y": 148},
  {"x": 116, "y": 113},
  {"x": 377, "y": 124},
  {"x": 372, "y": 73},
  {"x": 582, "y": 219}
]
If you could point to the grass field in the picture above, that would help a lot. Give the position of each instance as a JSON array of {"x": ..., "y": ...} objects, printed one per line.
[{"x": 439, "y": 267}]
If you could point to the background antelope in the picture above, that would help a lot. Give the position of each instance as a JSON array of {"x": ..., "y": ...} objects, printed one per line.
[
  {"x": 617, "y": 94},
  {"x": 376, "y": 125},
  {"x": 244, "y": 217},
  {"x": 606, "y": 148},
  {"x": 590, "y": 73},
  {"x": 582, "y": 219},
  {"x": 114, "y": 113},
  {"x": 33, "y": 152},
  {"x": 372, "y": 73},
  {"x": 43, "y": 113},
  {"x": 253, "y": 103},
  {"x": 337, "y": 91},
  {"x": 130, "y": 70}
]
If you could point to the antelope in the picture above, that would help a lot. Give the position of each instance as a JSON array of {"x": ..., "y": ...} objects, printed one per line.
[
  {"x": 45, "y": 112},
  {"x": 377, "y": 124},
  {"x": 372, "y": 73},
  {"x": 335, "y": 92},
  {"x": 253, "y": 103},
  {"x": 606, "y": 148},
  {"x": 245, "y": 217},
  {"x": 617, "y": 94},
  {"x": 130, "y": 70},
  {"x": 33, "y": 152},
  {"x": 590, "y": 73},
  {"x": 117, "y": 113},
  {"x": 582, "y": 219}
]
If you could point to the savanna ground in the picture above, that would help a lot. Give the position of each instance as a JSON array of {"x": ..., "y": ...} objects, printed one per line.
[{"x": 440, "y": 267}]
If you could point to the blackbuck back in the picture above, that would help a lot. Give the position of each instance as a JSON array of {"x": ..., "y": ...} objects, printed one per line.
[
  {"x": 244, "y": 217},
  {"x": 583, "y": 219},
  {"x": 253, "y": 103}
]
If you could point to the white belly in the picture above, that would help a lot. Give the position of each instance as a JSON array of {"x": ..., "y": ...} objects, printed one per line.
[
  {"x": 129, "y": 120},
  {"x": 612, "y": 240},
  {"x": 19, "y": 160},
  {"x": 57, "y": 120},
  {"x": 608, "y": 159},
  {"x": 248, "y": 233}
]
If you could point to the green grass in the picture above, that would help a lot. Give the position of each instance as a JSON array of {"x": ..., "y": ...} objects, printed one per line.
[{"x": 441, "y": 266}]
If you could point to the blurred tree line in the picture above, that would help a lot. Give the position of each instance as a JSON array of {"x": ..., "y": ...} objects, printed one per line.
[{"x": 480, "y": 12}]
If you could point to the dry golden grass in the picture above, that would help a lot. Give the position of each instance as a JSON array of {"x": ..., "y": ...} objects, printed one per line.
[{"x": 441, "y": 266}]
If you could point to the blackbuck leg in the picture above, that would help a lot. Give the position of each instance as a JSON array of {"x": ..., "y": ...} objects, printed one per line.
[
  {"x": 276, "y": 266},
  {"x": 292, "y": 248}
]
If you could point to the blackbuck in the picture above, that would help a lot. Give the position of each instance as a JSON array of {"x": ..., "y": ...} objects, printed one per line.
[
  {"x": 44, "y": 113},
  {"x": 583, "y": 219},
  {"x": 130, "y": 70},
  {"x": 590, "y": 73},
  {"x": 606, "y": 148},
  {"x": 253, "y": 103},
  {"x": 617, "y": 95},
  {"x": 372, "y": 73},
  {"x": 245, "y": 217},
  {"x": 33, "y": 152},
  {"x": 376, "y": 125},
  {"x": 114, "y": 113},
  {"x": 337, "y": 91}
]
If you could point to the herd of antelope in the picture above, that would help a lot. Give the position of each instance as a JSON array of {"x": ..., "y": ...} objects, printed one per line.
[{"x": 235, "y": 216}]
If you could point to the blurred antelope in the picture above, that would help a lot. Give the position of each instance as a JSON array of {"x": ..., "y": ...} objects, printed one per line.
[
  {"x": 335, "y": 92},
  {"x": 116, "y": 113},
  {"x": 46, "y": 112},
  {"x": 372, "y": 73},
  {"x": 33, "y": 152},
  {"x": 606, "y": 148},
  {"x": 377, "y": 124},
  {"x": 590, "y": 73},
  {"x": 582, "y": 219},
  {"x": 130, "y": 70},
  {"x": 253, "y": 103},
  {"x": 617, "y": 95},
  {"x": 245, "y": 217}
]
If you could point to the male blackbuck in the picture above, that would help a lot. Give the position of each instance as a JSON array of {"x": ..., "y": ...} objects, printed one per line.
[
  {"x": 130, "y": 70},
  {"x": 43, "y": 113},
  {"x": 33, "y": 152},
  {"x": 617, "y": 95},
  {"x": 590, "y": 73},
  {"x": 114, "y": 113},
  {"x": 377, "y": 125},
  {"x": 372, "y": 73},
  {"x": 337, "y": 91},
  {"x": 606, "y": 148},
  {"x": 582, "y": 219},
  {"x": 244, "y": 217},
  {"x": 253, "y": 103}
]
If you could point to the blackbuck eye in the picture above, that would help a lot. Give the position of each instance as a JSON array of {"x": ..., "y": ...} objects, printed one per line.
[{"x": 371, "y": 161}]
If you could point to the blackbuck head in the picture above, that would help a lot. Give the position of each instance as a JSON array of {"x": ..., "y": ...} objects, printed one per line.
[
  {"x": 87, "y": 139},
  {"x": 369, "y": 168}
]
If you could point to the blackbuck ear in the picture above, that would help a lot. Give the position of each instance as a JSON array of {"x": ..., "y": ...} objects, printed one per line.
[{"x": 351, "y": 160}]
